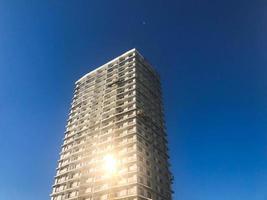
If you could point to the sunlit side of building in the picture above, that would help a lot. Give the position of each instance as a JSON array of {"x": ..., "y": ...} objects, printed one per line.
[{"x": 115, "y": 144}]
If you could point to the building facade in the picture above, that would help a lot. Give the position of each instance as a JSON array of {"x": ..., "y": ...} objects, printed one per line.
[{"x": 115, "y": 144}]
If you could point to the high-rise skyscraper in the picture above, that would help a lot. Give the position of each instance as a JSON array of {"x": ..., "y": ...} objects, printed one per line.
[{"x": 115, "y": 144}]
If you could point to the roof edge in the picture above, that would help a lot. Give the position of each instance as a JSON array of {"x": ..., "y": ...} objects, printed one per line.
[{"x": 129, "y": 51}]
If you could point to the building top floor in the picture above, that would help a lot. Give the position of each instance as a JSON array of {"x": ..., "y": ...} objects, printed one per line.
[{"x": 115, "y": 60}]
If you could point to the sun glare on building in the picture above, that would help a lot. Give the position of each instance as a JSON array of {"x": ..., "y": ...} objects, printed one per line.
[{"x": 110, "y": 165}]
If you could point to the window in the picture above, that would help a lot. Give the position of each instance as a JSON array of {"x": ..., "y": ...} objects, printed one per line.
[
  {"x": 141, "y": 191},
  {"x": 132, "y": 190},
  {"x": 149, "y": 184},
  {"x": 141, "y": 180}
]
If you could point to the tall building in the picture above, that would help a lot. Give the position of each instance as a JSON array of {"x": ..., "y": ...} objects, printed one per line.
[{"x": 115, "y": 144}]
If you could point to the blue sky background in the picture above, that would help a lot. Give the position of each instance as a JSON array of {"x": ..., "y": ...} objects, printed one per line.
[{"x": 211, "y": 55}]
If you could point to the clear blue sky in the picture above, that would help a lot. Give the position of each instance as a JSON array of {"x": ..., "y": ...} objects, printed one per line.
[{"x": 211, "y": 55}]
